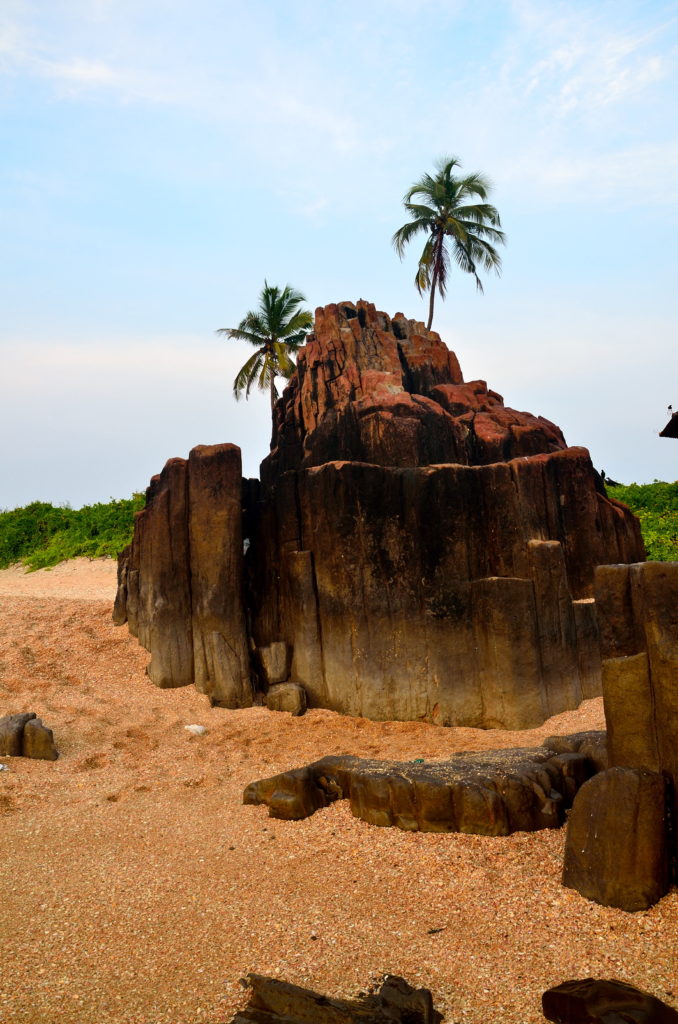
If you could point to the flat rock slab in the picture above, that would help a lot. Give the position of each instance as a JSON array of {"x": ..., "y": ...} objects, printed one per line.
[
  {"x": 612, "y": 1002},
  {"x": 485, "y": 793},
  {"x": 396, "y": 1002}
]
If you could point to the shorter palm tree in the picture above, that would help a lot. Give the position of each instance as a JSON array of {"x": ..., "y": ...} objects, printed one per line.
[
  {"x": 449, "y": 209},
  {"x": 277, "y": 328}
]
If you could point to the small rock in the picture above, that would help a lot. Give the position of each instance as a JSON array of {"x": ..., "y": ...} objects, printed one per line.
[
  {"x": 286, "y": 697},
  {"x": 196, "y": 730},
  {"x": 24, "y": 735}
]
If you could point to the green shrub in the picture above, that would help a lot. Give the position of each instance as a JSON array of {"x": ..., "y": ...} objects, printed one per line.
[
  {"x": 656, "y": 505},
  {"x": 41, "y": 535}
]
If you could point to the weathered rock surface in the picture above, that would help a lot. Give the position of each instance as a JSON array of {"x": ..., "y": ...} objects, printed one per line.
[
  {"x": 616, "y": 851},
  {"x": 491, "y": 793},
  {"x": 590, "y": 1001},
  {"x": 272, "y": 1000},
  {"x": 418, "y": 550},
  {"x": 622, "y": 845},
  {"x": 24, "y": 735}
]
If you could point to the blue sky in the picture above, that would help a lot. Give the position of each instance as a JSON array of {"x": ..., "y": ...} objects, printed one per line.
[{"x": 158, "y": 160}]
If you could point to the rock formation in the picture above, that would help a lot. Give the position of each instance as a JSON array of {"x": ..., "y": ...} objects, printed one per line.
[
  {"x": 492, "y": 793},
  {"x": 622, "y": 843},
  {"x": 419, "y": 550}
]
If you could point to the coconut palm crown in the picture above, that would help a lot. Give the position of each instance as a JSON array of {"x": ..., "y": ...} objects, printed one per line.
[
  {"x": 276, "y": 328},
  {"x": 451, "y": 208}
]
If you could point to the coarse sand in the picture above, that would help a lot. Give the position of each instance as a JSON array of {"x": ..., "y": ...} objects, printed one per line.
[{"x": 137, "y": 888}]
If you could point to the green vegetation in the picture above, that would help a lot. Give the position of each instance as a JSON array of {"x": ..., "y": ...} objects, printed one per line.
[
  {"x": 447, "y": 209},
  {"x": 656, "y": 505},
  {"x": 277, "y": 328},
  {"x": 41, "y": 535}
]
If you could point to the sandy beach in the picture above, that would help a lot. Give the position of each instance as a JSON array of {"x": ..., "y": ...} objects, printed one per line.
[{"x": 137, "y": 889}]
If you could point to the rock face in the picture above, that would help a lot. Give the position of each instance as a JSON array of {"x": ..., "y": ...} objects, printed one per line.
[
  {"x": 610, "y": 1002},
  {"x": 492, "y": 793},
  {"x": 396, "y": 1002},
  {"x": 622, "y": 844},
  {"x": 416, "y": 549}
]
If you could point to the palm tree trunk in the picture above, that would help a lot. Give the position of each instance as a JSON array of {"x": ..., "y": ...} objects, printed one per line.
[
  {"x": 437, "y": 260},
  {"x": 431, "y": 301}
]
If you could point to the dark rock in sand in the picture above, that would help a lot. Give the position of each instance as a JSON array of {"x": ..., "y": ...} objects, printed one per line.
[
  {"x": 24, "y": 735},
  {"x": 487, "y": 793},
  {"x": 592, "y": 1001},
  {"x": 396, "y": 1002},
  {"x": 616, "y": 851}
]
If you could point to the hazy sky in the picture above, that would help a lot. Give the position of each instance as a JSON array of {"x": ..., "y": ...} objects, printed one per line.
[{"x": 159, "y": 159}]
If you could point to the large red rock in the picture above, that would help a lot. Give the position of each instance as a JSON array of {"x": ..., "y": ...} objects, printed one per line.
[{"x": 422, "y": 550}]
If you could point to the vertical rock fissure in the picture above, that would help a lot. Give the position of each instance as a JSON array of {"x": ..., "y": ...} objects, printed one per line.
[{"x": 407, "y": 380}]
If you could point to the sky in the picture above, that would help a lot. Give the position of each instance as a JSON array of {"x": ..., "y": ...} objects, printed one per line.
[{"x": 160, "y": 160}]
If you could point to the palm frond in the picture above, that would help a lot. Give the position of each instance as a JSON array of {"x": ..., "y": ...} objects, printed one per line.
[
  {"x": 247, "y": 375},
  {"x": 285, "y": 366},
  {"x": 406, "y": 233}
]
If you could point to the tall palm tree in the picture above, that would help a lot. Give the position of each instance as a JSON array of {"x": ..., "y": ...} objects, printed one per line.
[
  {"x": 449, "y": 208},
  {"x": 277, "y": 328}
]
